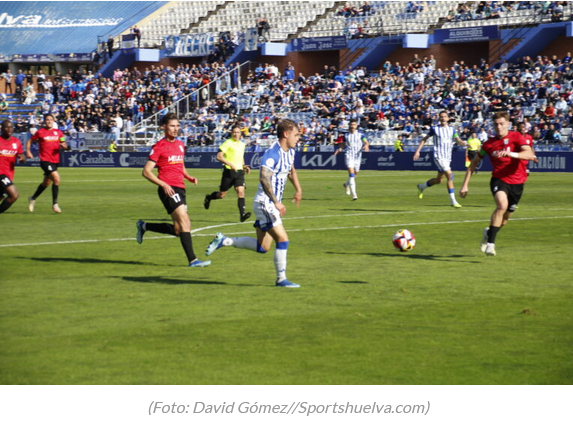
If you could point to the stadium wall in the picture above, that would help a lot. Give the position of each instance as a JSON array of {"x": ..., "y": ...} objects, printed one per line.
[
  {"x": 445, "y": 54},
  {"x": 306, "y": 62},
  {"x": 559, "y": 47},
  {"x": 548, "y": 161}
]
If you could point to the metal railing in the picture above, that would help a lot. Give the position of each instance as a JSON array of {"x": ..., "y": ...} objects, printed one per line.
[{"x": 146, "y": 131}]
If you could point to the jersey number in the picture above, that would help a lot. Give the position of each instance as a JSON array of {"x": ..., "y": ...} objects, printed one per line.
[
  {"x": 176, "y": 197},
  {"x": 6, "y": 181}
]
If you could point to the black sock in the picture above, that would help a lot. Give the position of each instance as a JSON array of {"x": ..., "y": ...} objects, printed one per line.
[
  {"x": 187, "y": 245},
  {"x": 55, "y": 191},
  {"x": 213, "y": 196},
  {"x": 241, "y": 204},
  {"x": 5, "y": 205},
  {"x": 164, "y": 228},
  {"x": 39, "y": 191},
  {"x": 492, "y": 233}
]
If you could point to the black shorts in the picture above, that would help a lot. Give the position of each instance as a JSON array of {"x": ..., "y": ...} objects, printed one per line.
[
  {"x": 5, "y": 183},
  {"x": 49, "y": 167},
  {"x": 513, "y": 191},
  {"x": 171, "y": 203},
  {"x": 472, "y": 154},
  {"x": 231, "y": 179}
]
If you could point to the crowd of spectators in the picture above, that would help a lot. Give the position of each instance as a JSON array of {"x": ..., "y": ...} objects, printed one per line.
[
  {"x": 398, "y": 97},
  {"x": 351, "y": 11},
  {"x": 474, "y": 10}
]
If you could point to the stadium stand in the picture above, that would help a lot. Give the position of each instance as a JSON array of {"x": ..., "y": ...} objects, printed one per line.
[
  {"x": 177, "y": 18},
  {"x": 71, "y": 27},
  {"x": 285, "y": 17},
  {"x": 390, "y": 99}
]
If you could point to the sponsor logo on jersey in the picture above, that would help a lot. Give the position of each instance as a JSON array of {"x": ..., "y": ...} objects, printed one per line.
[
  {"x": 175, "y": 158},
  {"x": 6, "y": 152}
]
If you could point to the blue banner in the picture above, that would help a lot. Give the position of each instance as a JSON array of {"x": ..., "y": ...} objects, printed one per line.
[
  {"x": 33, "y": 58},
  {"x": 393, "y": 161},
  {"x": 464, "y": 35},
  {"x": 189, "y": 45},
  {"x": 319, "y": 43}
]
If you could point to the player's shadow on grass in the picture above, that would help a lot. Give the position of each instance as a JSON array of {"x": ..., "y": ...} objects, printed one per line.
[
  {"x": 167, "y": 280},
  {"x": 432, "y": 257},
  {"x": 366, "y": 209},
  {"x": 87, "y": 260}
]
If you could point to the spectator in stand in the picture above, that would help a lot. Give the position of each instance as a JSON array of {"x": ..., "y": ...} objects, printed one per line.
[
  {"x": 137, "y": 33},
  {"x": 110, "y": 46},
  {"x": 289, "y": 72},
  {"x": 7, "y": 76},
  {"x": 41, "y": 81},
  {"x": 3, "y": 103},
  {"x": 29, "y": 94},
  {"x": 263, "y": 28}
]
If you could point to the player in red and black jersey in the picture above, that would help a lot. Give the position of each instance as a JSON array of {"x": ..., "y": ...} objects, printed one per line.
[
  {"x": 51, "y": 140},
  {"x": 509, "y": 152},
  {"x": 10, "y": 149},
  {"x": 168, "y": 156},
  {"x": 522, "y": 130}
]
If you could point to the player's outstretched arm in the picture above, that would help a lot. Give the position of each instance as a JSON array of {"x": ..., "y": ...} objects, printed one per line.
[
  {"x": 29, "y": 148},
  {"x": 293, "y": 177},
  {"x": 473, "y": 165},
  {"x": 148, "y": 174},
  {"x": 365, "y": 145},
  {"x": 221, "y": 159},
  {"x": 460, "y": 142},
  {"x": 266, "y": 183},
  {"x": 420, "y": 146},
  {"x": 64, "y": 144},
  {"x": 189, "y": 178},
  {"x": 525, "y": 154}
]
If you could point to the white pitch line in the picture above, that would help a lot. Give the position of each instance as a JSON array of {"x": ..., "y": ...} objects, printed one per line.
[{"x": 397, "y": 225}]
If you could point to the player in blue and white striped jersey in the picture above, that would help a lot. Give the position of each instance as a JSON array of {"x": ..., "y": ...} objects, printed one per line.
[
  {"x": 276, "y": 166},
  {"x": 444, "y": 136},
  {"x": 355, "y": 142}
]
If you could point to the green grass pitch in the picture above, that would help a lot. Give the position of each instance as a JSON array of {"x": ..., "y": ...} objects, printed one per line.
[{"x": 82, "y": 303}]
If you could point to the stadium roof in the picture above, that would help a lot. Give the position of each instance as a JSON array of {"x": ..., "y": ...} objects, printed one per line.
[{"x": 66, "y": 26}]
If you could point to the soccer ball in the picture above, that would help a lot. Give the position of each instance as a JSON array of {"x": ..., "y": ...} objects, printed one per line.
[{"x": 404, "y": 240}]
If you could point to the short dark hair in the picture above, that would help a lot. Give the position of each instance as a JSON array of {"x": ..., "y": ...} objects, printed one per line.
[
  {"x": 353, "y": 120},
  {"x": 284, "y": 126},
  {"x": 168, "y": 117}
]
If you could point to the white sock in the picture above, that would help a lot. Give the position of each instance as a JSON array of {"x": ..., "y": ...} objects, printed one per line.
[
  {"x": 453, "y": 198},
  {"x": 424, "y": 185},
  {"x": 352, "y": 184},
  {"x": 280, "y": 264},
  {"x": 244, "y": 242}
]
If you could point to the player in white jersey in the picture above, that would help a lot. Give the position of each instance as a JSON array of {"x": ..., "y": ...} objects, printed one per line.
[
  {"x": 355, "y": 142},
  {"x": 444, "y": 138},
  {"x": 277, "y": 165}
]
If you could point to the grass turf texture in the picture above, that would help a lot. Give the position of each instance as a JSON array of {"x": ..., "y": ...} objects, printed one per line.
[{"x": 113, "y": 312}]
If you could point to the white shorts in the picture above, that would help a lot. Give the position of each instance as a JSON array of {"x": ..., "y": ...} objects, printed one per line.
[
  {"x": 443, "y": 164},
  {"x": 267, "y": 215},
  {"x": 353, "y": 162}
]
